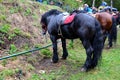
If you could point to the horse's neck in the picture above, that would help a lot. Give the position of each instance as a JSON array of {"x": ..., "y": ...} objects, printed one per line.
[{"x": 50, "y": 18}]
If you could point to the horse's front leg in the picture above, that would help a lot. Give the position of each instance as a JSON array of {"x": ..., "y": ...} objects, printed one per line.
[
  {"x": 89, "y": 51},
  {"x": 65, "y": 52},
  {"x": 55, "y": 53}
]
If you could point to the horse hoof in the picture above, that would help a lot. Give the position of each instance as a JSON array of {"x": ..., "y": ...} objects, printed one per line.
[
  {"x": 83, "y": 69},
  {"x": 63, "y": 58},
  {"x": 54, "y": 61}
]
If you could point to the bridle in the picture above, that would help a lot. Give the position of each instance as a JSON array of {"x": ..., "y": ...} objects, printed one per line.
[{"x": 44, "y": 28}]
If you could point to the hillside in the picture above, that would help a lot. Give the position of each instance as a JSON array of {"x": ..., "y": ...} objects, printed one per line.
[
  {"x": 20, "y": 23},
  {"x": 20, "y": 30}
]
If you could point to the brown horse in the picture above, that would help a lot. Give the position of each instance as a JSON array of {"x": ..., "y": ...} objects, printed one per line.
[
  {"x": 108, "y": 25},
  {"x": 105, "y": 20}
]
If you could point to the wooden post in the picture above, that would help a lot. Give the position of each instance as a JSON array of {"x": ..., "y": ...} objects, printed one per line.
[
  {"x": 111, "y": 4},
  {"x": 93, "y": 4}
]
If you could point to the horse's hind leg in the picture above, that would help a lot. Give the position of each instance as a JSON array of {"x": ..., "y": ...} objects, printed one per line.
[
  {"x": 55, "y": 53},
  {"x": 105, "y": 34},
  {"x": 89, "y": 51},
  {"x": 109, "y": 40},
  {"x": 65, "y": 52},
  {"x": 112, "y": 34}
]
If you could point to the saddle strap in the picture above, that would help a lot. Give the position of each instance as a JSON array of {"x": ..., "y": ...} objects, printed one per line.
[{"x": 60, "y": 31}]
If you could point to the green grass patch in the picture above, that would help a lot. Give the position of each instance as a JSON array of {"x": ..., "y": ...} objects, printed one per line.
[
  {"x": 15, "y": 9},
  {"x": 55, "y": 74},
  {"x": 34, "y": 77},
  {"x": 46, "y": 52},
  {"x": 5, "y": 28},
  {"x": 2, "y": 17},
  {"x": 6, "y": 73},
  {"x": 13, "y": 49},
  {"x": 28, "y": 11}
]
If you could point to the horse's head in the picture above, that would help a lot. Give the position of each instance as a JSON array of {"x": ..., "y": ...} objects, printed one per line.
[
  {"x": 43, "y": 23},
  {"x": 44, "y": 28},
  {"x": 45, "y": 20}
]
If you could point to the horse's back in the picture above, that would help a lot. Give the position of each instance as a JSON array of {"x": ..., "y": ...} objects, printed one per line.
[
  {"x": 85, "y": 18},
  {"x": 105, "y": 20},
  {"x": 86, "y": 24}
]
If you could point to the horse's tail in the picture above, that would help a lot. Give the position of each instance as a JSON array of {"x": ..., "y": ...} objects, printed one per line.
[
  {"x": 113, "y": 32},
  {"x": 98, "y": 45}
]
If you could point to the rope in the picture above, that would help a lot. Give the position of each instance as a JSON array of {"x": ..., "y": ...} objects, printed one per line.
[{"x": 24, "y": 52}]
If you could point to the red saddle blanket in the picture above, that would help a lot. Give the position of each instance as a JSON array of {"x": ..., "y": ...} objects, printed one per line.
[{"x": 69, "y": 19}]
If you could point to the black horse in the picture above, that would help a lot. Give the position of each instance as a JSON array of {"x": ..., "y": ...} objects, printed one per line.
[
  {"x": 108, "y": 25},
  {"x": 83, "y": 26}
]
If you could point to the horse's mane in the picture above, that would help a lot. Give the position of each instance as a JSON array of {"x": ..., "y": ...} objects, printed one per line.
[
  {"x": 77, "y": 11},
  {"x": 49, "y": 13},
  {"x": 52, "y": 12}
]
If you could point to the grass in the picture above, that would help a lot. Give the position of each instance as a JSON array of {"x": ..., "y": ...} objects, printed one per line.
[
  {"x": 7, "y": 72},
  {"x": 69, "y": 69},
  {"x": 108, "y": 69}
]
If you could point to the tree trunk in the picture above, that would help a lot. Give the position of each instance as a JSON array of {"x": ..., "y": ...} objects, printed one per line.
[{"x": 111, "y": 4}]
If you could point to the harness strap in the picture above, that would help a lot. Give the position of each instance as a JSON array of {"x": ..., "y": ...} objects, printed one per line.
[{"x": 59, "y": 31}]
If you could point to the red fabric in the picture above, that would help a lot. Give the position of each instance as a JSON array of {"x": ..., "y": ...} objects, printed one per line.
[{"x": 69, "y": 19}]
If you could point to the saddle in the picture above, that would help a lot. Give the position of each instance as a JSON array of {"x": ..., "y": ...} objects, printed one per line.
[
  {"x": 65, "y": 18},
  {"x": 62, "y": 19},
  {"x": 69, "y": 19}
]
